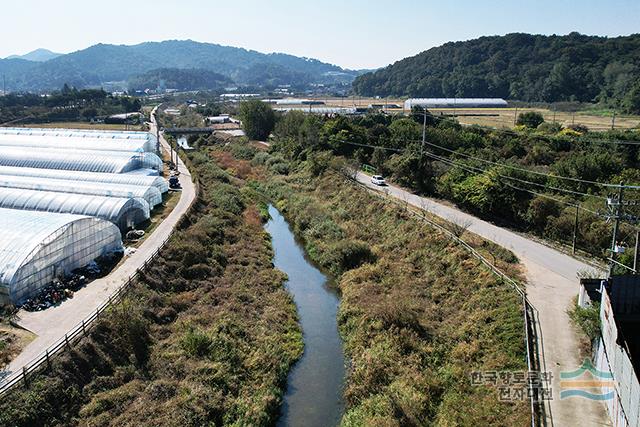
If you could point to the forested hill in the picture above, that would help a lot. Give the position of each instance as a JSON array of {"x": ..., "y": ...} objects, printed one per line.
[
  {"x": 102, "y": 63},
  {"x": 515, "y": 66}
]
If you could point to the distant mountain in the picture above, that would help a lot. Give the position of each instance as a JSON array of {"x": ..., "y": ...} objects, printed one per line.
[
  {"x": 516, "y": 66},
  {"x": 103, "y": 63},
  {"x": 38, "y": 55}
]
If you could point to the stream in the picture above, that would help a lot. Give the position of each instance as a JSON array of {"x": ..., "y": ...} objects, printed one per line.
[{"x": 314, "y": 386}]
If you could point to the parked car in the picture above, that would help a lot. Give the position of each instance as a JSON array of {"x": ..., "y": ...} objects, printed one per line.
[{"x": 378, "y": 180}]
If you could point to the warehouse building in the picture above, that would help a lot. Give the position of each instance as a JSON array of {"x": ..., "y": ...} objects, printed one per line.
[
  {"x": 37, "y": 247},
  {"x": 126, "y": 213},
  {"x": 455, "y": 103},
  {"x": 114, "y": 178},
  {"x": 150, "y": 194},
  {"x": 79, "y": 160}
]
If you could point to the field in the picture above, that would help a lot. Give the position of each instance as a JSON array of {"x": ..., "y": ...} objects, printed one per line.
[{"x": 502, "y": 117}]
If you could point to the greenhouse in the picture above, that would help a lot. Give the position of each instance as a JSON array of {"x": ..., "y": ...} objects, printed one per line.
[
  {"x": 123, "y": 212},
  {"x": 150, "y": 194},
  {"x": 37, "y": 247},
  {"x": 455, "y": 103},
  {"x": 79, "y": 133},
  {"x": 136, "y": 145},
  {"x": 115, "y": 178},
  {"x": 79, "y": 160}
]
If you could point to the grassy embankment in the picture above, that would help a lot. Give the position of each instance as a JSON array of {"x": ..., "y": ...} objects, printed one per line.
[
  {"x": 206, "y": 338},
  {"x": 417, "y": 314}
]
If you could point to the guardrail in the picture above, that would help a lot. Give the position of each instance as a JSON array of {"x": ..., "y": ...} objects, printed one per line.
[
  {"x": 530, "y": 313},
  {"x": 81, "y": 329}
]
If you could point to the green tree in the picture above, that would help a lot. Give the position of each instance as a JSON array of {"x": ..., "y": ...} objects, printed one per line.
[
  {"x": 530, "y": 119},
  {"x": 258, "y": 119}
]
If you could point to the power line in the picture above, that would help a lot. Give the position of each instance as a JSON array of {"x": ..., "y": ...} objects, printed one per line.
[
  {"x": 481, "y": 170},
  {"x": 586, "y": 181}
]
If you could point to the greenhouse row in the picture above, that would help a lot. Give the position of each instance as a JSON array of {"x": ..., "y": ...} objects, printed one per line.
[
  {"x": 79, "y": 160},
  {"x": 134, "y": 145},
  {"x": 66, "y": 198},
  {"x": 37, "y": 247},
  {"x": 78, "y": 133},
  {"x": 150, "y": 194},
  {"x": 114, "y": 178},
  {"x": 123, "y": 212}
]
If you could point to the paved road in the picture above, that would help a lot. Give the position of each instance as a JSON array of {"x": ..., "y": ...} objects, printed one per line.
[
  {"x": 52, "y": 324},
  {"x": 551, "y": 285}
]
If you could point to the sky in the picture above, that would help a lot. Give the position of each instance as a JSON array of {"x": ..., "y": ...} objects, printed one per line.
[{"x": 350, "y": 33}]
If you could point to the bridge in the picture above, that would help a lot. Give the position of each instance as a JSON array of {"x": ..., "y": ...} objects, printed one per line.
[{"x": 189, "y": 131}]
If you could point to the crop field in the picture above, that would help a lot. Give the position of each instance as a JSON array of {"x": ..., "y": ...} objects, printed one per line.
[{"x": 500, "y": 117}]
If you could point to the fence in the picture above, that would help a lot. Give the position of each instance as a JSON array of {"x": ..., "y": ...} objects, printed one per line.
[
  {"x": 530, "y": 313},
  {"x": 80, "y": 330}
]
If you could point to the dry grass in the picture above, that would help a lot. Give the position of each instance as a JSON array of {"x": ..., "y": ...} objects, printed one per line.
[{"x": 499, "y": 117}]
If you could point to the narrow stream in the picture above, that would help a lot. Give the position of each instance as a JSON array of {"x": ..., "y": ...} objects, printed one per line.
[{"x": 314, "y": 389}]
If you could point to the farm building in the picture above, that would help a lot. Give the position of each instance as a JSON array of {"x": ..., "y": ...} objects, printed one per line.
[
  {"x": 455, "y": 103},
  {"x": 123, "y": 212},
  {"x": 36, "y": 247},
  {"x": 150, "y": 194},
  {"x": 79, "y": 160},
  {"x": 323, "y": 110},
  {"x": 114, "y": 178}
]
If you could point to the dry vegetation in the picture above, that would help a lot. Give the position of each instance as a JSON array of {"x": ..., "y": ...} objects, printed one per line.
[
  {"x": 417, "y": 314},
  {"x": 206, "y": 338}
]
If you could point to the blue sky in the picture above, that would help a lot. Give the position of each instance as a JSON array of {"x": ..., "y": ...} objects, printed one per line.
[{"x": 350, "y": 33}]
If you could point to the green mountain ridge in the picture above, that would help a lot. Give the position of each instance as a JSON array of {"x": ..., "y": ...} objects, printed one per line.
[
  {"x": 525, "y": 67},
  {"x": 103, "y": 63}
]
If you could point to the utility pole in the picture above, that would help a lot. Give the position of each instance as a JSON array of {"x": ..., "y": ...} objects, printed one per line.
[
  {"x": 424, "y": 130},
  {"x": 575, "y": 231},
  {"x": 616, "y": 225},
  {"x": 613, "y": 120},
  {"x": 635, "y": 253}
]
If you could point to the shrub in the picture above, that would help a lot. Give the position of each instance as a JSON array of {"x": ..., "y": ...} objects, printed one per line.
[
  {"x": 530, "y": 119},
  {"x": 196, "y": 343}
]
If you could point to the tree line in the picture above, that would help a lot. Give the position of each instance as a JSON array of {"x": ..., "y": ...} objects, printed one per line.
[
  {"x": 532, "y": 68},
  {"x": 484, "y": 171}
]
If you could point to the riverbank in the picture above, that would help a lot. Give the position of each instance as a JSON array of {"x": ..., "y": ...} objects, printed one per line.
[
  {"x": 207, "y": 337},
  {"x": 418, "y": 314}
]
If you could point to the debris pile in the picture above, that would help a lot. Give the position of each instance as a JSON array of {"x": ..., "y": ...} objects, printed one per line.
[{"x": 55, "y": 293}]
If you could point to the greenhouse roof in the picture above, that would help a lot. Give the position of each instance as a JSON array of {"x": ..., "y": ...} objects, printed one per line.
[
  {"x": 80, "y": 160},
  {"x": 108, "y": 208},
  {"x": 78, "y": 133},
  {"x": 151, "y": 194},
  {"x": 115, "y": 178},
  {"x": 77, "y": 143}
]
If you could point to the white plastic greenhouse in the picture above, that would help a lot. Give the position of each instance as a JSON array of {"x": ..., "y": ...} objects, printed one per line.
[
  {"x": 80, "y": 160},
  {"x": 136, "y": 145},
  {"x": 116, "y": 178},
  {"x": 150, "y": 194},
  {"x": 455, "y": 103},
  {"x": 36, "y": 247},
  {"x": 79, "y": 133},
  {"x": 123, "y": 212}
]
